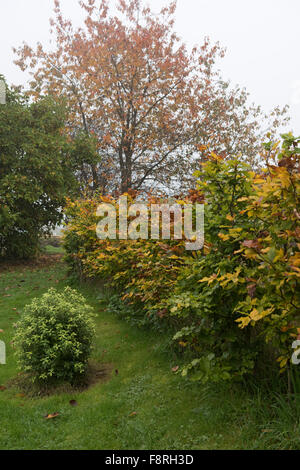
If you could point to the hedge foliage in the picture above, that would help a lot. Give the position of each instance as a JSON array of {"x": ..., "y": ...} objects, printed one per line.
[{"x": 236, "y": 302}]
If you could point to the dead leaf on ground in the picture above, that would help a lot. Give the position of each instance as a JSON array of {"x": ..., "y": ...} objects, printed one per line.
[
  {"x": 2, "y": 388},
  {"x": 134, "y": 413},
  {"x": 51, "y": 415}
]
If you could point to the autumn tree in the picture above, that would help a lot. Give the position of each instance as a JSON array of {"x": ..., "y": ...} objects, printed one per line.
[{"x": 150, "y": 103}]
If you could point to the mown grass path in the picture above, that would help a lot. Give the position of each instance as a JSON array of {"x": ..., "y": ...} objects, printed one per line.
[{"x": 142, "y": 405}]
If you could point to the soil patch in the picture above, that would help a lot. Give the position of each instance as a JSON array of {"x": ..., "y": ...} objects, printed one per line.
[
  {"x": 96, "y": 374},
  {"x": 38, "y": 263}
]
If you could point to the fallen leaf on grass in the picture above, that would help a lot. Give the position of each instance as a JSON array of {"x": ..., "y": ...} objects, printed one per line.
[
  {"x": 51, "y": 415},
  {"x": 20, "y": 395},
  {"x": 73, "y": 403},
  {"x": 2, "y": 388},
  {"x": 134, "y": 413},
  {"x": 175, "y": 369},
  {"x": 1, "y": 331}
]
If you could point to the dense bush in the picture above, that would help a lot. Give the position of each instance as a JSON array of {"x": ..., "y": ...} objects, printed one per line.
[
  {"x": 241, "y": 291},
  {"x": 37, "y": 165},
  {"x": 54, "y": 336}
]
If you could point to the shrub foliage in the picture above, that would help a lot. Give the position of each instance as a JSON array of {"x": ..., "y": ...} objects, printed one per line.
[{"x": 54, "y": 336}]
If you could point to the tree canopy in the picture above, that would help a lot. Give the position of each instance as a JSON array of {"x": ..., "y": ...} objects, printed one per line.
[{"x": 151, "y": 104}]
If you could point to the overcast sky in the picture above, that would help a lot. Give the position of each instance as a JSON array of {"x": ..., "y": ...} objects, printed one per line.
[{"x": 262, "y": 38}]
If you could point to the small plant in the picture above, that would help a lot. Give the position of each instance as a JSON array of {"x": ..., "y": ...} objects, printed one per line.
[{"x": 54, "y": 337}]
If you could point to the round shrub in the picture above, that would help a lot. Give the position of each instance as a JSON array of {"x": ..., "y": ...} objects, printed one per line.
[{"x": 54, "y": 336}]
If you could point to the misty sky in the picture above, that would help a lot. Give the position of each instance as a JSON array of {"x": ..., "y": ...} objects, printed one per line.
[{"x": 262, "y": 38}]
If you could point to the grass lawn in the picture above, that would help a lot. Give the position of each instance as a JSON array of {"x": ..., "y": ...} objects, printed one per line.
[
  {"x": 54, "y": 250},
  {"x": 142, "y": 404}
]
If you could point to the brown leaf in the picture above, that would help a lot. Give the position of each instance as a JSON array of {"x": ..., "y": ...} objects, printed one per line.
[
  {"x": 287, "y": 162},
  {"x": 297, "y": 214},
  {"x": 2, "y": 388},
  {"x": 51, "y": 415},
  {"x": 251, "y": 244},
  {"x": 162, "y": 313},
  {"x": 134, "y": 413},
  {"x": 251, "y": 288}
]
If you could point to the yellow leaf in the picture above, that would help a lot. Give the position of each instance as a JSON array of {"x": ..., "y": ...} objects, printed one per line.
[
  {"x": 244, "y": 321},
  {"x": 283, "y": 363},
  {"x": 223, "y": 236}
]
